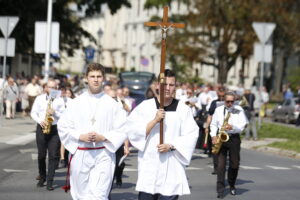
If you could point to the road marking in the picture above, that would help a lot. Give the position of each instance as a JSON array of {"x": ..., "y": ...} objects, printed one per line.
[
  {"x": 297, "y": 166},
  {"x": 30, "y": 150},
  {"x": 193, "y": 168},
  {"x": 276, "y": 167},
  {"x": 249, "y": 167},
  {"x": 202, "y": 155},
  {"x": 15, "y": 170},
  {"x": 34, "y": 156},
  {"x": 188, "y": 168},
  {"x": 22, "y": 140},
  {"x": 130, "y": 170}
]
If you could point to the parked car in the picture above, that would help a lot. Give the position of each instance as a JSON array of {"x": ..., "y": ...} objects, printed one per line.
[
  {"x": 287, "y": 111},
  {"x": 137, "y": 82}
]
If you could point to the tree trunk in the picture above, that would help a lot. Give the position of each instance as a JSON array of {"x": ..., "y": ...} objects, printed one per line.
[
  {"x": 279, "y": 66},
  {"x": 222, "y": 72}
]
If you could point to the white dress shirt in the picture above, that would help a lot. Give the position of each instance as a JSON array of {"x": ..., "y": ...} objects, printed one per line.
[
  {"x": 38, "y": 111},
  {"x": 237, "y": 120}
]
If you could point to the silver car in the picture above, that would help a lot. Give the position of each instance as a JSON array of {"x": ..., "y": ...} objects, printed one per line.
[{"x": 287, "y": 112}]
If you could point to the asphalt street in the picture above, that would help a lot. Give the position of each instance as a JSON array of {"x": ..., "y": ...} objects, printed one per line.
[{"x": 262, "y": 176}]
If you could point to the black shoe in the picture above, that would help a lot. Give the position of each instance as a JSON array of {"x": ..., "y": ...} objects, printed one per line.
[
  {"x": 41, "y": 183},
  {"x": 214, "y": 172},
  {"x": 232, "y": 190},
  {"x": 49, "y": 186},
  {"x": 220, "y": 195},
  {"x": 119, "y": 184}
]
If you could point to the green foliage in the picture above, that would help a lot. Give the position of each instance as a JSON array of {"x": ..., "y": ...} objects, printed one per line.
[
  {"x": 71, "y": 33},
  {"x": 271, "y": 130},
  {"x": 293, "y": 77},
  {"x": 221, "y": 31},
  {"x": 156, "y": 3}
]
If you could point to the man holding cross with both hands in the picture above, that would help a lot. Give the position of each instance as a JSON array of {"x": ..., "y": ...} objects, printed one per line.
[{"x": 161, "y": 167}]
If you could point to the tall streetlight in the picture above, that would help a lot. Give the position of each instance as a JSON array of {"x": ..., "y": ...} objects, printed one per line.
[{"x": 100, "y": 34}]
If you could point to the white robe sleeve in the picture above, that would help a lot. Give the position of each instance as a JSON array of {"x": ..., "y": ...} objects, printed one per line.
[
  {"x": 186, "y": 142},
  {"x": 136, "y": 125},
  {"x": 69, "y": 136},
  {"x": 117, "y": 135}
]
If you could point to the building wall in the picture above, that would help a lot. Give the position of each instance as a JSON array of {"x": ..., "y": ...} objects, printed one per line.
[{"x": 125, "y": 41}]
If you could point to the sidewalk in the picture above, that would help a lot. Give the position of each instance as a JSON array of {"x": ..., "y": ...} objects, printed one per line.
[{"x": 18, "y": 131}]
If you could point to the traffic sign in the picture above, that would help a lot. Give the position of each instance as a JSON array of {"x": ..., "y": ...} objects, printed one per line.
[
  {"x": 40, "y": 35},
  {"x": 263, "y": 53},
  {"x": 7, "y": 25},
  {"x": 263, "y": 30},
  {"x": 10, "y": 50}
]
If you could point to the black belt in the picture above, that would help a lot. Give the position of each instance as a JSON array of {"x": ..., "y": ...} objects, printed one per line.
[{"x": 234, "y": 135}]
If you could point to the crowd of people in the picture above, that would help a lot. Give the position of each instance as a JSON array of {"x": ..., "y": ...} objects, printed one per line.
[{"x": 92, "y": 123}]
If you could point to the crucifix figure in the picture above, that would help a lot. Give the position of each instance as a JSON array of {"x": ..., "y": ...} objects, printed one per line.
[{"x": 165, "y": 26}]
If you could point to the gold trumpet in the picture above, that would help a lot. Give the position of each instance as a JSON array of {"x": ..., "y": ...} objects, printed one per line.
[
  {"x": 222, "y": 136},
  {"x": 48, "y": 118}
]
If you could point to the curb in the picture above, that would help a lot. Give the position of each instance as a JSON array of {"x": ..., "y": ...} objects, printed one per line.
[{"x": 261, "y": 145}]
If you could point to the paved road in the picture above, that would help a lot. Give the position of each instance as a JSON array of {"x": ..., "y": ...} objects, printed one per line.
[{"x": 262, "y": 176}]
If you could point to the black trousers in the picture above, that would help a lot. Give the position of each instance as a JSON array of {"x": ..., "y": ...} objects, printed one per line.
[
  {"x": 50, "y": 142},
  {"x": 147, "y": 196},
  {"x": 119, "y": 169},
  {"x": 233, "y": 147}
]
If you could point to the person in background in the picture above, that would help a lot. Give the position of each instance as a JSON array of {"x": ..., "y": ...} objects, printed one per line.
[
  {"x": 234, "y": 127},
  {"x": 11, "y": 96},
  {"x": 44, "y": 105},
  {"x": 32, "y": 90},
  {"x": 250, "y": 114},
  {"x": 67, "y": 95}
]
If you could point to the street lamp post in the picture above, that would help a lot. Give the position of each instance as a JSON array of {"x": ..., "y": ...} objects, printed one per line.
[{"x": 100, "y": 34}]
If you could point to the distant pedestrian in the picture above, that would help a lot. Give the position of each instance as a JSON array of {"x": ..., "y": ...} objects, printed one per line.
[
  {"x": 11, "y": 97},
  {"x": 250, "y": 114},
  {"x": 32, "y": 90}
]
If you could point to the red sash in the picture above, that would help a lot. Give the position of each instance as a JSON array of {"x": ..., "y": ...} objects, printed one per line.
[{"x": 67, "y": 186}]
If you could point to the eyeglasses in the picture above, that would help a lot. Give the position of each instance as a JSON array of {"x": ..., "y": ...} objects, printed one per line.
[{"x": 229, "y": 101}]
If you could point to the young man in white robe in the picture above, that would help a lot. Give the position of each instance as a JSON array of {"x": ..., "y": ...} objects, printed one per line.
[
  {"x": 90, "y": 130},
  {"x": 161, "y": 167}
]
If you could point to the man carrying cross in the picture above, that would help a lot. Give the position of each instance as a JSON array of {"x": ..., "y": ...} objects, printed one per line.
[
  {"x": 161, "y": 167},
  {"x": 165, "y": 133}
]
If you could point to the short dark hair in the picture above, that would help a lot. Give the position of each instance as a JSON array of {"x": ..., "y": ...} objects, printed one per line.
[
  {"x": 95, "y": 67},
  {"x": 168, "y": 73},
  {"x": 230, "y": 93}
]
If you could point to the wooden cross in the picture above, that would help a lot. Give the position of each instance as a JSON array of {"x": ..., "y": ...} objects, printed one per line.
[
  {"x": 93, "y": 120},
  {"x": 165, "y": 26}
]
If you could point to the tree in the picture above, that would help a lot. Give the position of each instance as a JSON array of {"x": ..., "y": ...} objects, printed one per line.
[
  {"x": 219, "y": 31},
  {"x": 71, "y": 32}
]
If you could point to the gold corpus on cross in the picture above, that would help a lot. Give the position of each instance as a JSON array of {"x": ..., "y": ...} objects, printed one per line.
[{"x": 165, "y": 26}]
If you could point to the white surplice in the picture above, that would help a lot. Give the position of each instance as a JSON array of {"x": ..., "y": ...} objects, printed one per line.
[
  {"x": 91, "y": 172},
  {"x": 162, "y": 173}
]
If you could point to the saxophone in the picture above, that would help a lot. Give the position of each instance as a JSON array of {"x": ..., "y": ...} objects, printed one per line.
[
  {"x": 222, "y": 136},
  {"x": 48, "y": 118}
]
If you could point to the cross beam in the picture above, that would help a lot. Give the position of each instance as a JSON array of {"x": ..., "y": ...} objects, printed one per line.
[{"x": 164, "y": 25}]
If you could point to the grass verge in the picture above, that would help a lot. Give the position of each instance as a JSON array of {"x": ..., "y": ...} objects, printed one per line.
[{"x": 270, "y": 130}]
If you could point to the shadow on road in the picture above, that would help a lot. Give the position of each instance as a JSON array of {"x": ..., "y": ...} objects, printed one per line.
[{"x": 124, "y": 196}]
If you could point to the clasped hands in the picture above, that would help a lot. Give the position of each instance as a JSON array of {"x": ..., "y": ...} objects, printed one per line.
[{"x": 91, "y": 137}]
